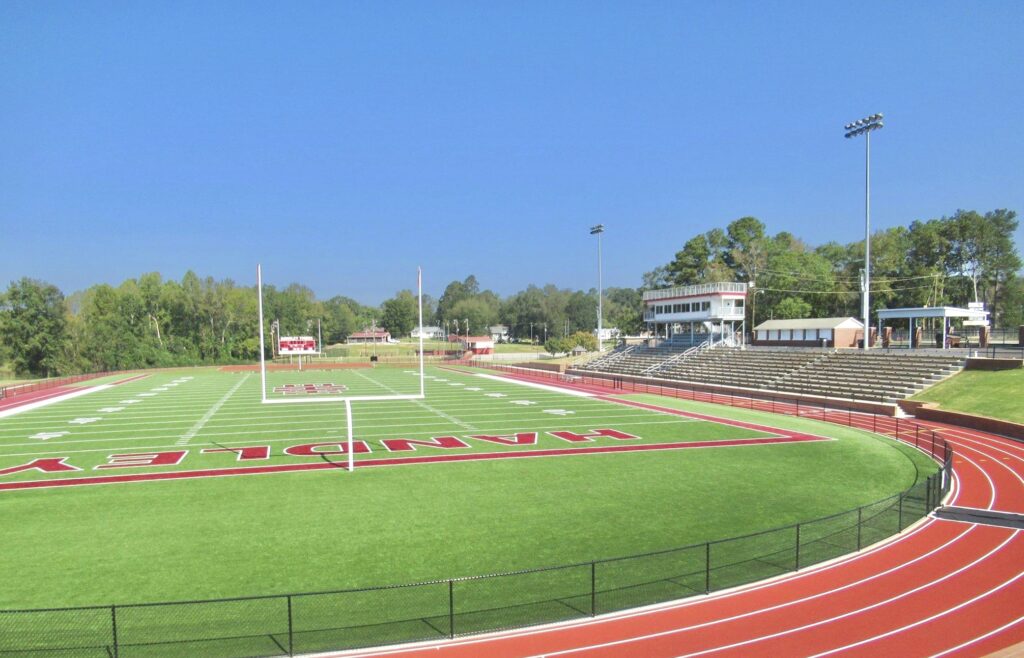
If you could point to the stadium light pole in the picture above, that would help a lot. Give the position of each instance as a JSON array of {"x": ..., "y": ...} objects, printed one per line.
[
  {"x": 598, "y": 231},
  {"x": 865, "y": 127}
]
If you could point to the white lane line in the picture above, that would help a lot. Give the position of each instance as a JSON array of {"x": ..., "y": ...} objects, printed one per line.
[
  {"x": 786, "y": 604},
  {"x": 187, "y": 436},
  {"x": 668, "y": 606},
  {"x": 938, "y": 614},
  {"x": 877, "y": 604},
  {"x": 991, "y": 484},
  {"x": 48, "y": 401},
  {"x": 994, "y": 631}
]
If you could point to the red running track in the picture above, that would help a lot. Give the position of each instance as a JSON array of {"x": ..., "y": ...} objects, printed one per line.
[
  {"x": 35, "y": 396},
  {"x": 21, "y": 399},
  {"x": 941, "y": 588}
]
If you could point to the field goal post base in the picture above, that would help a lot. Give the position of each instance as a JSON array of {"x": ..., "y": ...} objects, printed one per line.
[{"x": 348, "y": 400}]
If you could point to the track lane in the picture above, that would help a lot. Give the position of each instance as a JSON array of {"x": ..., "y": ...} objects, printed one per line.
[{"x": 956, "y": 589}]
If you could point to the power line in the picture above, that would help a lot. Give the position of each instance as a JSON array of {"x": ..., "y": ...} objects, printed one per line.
[
  {"x": 839, "y": 279},
  {"x": 843, "y": 292}
]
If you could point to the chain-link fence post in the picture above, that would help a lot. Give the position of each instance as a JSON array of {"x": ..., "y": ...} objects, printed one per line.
[
  {"x": 113, "y": 626},
  {"x": 593, "y": 589},
  {"x": 796, "y": 559},
  {"x": 451, "y": 608},
  {"x": 860, "y": 519},
  {"x": 707, "y": 567},
  {"x": 291, "y": 639}
]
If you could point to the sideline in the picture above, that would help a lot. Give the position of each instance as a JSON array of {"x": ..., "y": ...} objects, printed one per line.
[{"x": 28, "y": 406}]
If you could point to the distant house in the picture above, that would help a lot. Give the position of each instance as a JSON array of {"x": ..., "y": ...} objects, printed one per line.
[
  {"x": 370, "y": 336},
  {"x": 608, "y": 333},
  {"x": 429, "y": 333},
  {"x": 810, "y": 332},
  {"x": 499, "y": 333}
]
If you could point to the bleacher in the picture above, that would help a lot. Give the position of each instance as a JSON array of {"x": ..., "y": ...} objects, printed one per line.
[
  {"x": 640, "y": 360},
  {"x": 881, "y": 376}
]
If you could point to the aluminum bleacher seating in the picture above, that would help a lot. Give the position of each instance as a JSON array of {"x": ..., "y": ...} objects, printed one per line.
[{"x": 880, "y": 376}]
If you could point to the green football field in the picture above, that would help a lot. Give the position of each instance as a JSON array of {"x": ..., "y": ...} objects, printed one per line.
[{"x": 180, "y": 485}]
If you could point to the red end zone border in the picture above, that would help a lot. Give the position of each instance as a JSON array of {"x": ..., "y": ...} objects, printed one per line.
[{"x": 781, "y": 437}]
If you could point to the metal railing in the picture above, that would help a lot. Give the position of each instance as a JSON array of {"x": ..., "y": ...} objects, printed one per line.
[
  {"x": 290, "y": 624},
  {"x": 699, "y": 289}
]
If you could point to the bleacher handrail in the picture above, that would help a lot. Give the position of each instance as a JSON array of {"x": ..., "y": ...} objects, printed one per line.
[{"x": 698, "y": 289}]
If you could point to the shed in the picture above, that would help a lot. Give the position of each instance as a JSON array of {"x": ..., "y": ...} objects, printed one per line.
[
  {"x": 479, "y": 344},
  {"x": 809, "y": 332}
]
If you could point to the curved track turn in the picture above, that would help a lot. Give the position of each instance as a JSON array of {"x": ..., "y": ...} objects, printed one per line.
[{"x": 940, "y": 588}]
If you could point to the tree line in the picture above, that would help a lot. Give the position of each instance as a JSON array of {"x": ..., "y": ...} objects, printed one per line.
[
  {"x": 952, "y": 260},
  {"x": 150, "y": 321}
]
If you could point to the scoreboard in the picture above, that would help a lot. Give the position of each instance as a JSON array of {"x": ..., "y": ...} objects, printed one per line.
[{"x": 296, "y": 345}]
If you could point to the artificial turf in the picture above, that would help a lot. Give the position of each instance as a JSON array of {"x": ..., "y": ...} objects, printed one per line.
[{"x": 315, "y": 531}]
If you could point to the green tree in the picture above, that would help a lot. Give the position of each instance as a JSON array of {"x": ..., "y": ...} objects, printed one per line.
[
  {"x": 481, "y": 312},
  {"x": 690, "y": 264},
  {"x": 623, "y": 308},
  {"x": 555, "y": 346},
  {"x": 581, "y": 310},
  {"x": 455, "y": 292},
  {"x": 792, "y": 308},
  {"x": 584, "y": 339},
  {"x": 656, "y": 279},
  {"x": 32, "y": 326},
  {"x": 399, "y": 314}
]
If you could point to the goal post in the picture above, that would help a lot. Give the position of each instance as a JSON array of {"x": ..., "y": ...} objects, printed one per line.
[{"x": 347, "y": 400}]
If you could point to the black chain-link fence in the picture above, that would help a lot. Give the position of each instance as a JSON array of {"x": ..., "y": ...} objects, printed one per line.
[{"x": 321, "y": 621}]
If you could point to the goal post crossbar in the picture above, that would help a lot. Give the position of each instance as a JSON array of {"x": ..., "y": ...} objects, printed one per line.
[
  {"x": 344, "y": 398},
  {"x": 347, "y": 400}
]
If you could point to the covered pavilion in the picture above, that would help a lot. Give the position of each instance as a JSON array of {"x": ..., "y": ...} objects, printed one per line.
[{"x": 971, "y": 316}]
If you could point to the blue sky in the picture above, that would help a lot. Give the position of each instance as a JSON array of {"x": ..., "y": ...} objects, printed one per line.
[{"x": 342, "y": 144}]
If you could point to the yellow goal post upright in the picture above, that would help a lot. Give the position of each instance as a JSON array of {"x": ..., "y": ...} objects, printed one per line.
[{"x": 349, "y": 399}]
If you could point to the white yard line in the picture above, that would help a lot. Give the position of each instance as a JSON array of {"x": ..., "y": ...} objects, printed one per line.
[
  {"x": 544, "y": 387},
  {"x": 424, "y": 405},
  {"x": 48, "y": 401},
  {"x": 187, "y": 436}
]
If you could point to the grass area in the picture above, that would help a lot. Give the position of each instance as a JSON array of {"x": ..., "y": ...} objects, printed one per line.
[
  {"x": 518, "y": 348},
  {"x": 328, "y": 529},
  {"x": 410, "y": 346},
  {"x": 385, "y": 349},
  {"x": 994, "y": 394}
]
